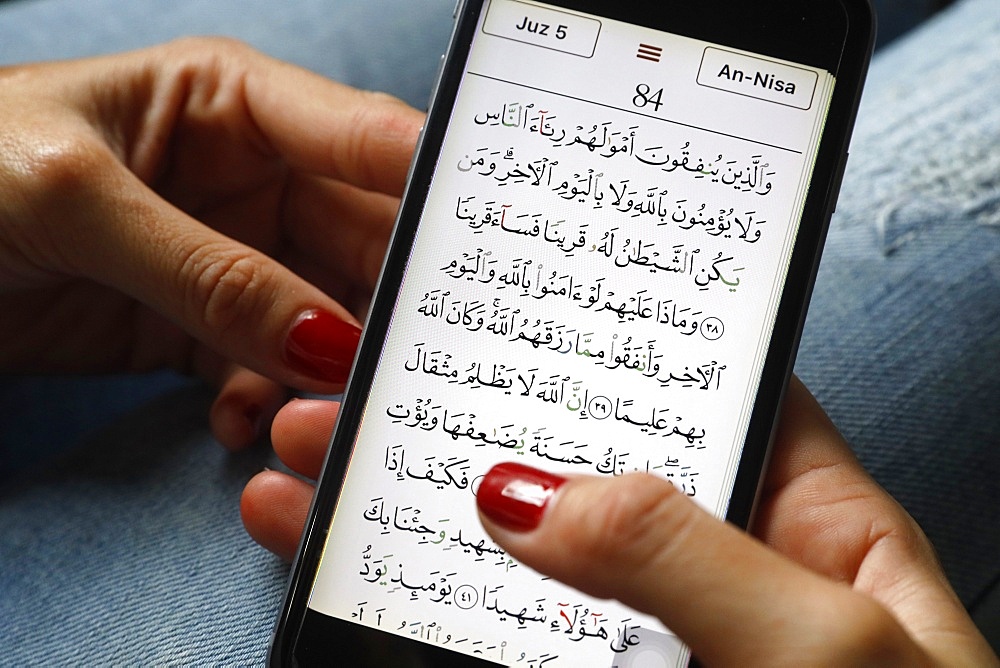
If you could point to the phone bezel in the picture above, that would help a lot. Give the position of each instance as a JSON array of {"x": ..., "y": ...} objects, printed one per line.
[{"x": 755, "y": 27}]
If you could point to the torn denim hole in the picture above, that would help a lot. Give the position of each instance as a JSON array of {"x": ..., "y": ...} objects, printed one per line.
[
  {"x": 984, "y": 210},
  {"x": 902, "y": 220}
]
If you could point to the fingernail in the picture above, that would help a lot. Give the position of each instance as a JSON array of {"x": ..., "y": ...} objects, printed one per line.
[
  {"x": 514, "y": 496},
  {"x": 321, "y": 345}
]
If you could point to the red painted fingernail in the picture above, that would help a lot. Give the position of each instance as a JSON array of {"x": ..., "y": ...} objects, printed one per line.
[
  {"x": 321, "y": 345},
  {"x": 514, "y": 496}
]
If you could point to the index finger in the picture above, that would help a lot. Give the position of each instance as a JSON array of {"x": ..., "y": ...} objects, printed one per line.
[
  {"x": 327, "y": 128},
  {"x": 816, "y": 493},
  {"x": 807, "y": 440}
]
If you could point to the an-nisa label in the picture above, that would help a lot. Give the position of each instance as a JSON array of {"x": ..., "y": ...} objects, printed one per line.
[{"x": 763, "y": 79}]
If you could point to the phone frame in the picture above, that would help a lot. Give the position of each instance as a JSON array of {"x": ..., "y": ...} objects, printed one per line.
[{"x": 758, "y": 29}]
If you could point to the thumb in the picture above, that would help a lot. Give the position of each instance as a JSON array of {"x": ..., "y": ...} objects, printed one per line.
[
  {"x": 238, "y": 301},
  {"x": 639, "y": 540}
]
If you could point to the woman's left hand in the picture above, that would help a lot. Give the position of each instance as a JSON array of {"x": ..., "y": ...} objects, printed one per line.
[{"x": 196, "y": 205}]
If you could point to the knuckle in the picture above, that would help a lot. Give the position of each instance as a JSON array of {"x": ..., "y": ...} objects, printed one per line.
[
  {"x": 202, "y": 66},
  {"x": 627, "y": 531},
  {"x": 203, "y": 69},
  {"x": 48, "y": 179},
  {"x": 55, "y": 170},
  {"x": 209, "y": 46},
  {"x": 383, "y": 124},
  {"x": 225, "y": 286}
]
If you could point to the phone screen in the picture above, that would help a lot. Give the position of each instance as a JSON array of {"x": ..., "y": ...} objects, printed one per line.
[{"x": 591, "y": 288}]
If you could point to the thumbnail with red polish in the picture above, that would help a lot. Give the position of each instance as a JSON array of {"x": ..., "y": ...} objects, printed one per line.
[
  {"x": 515, "y": 496},
  {"x": 322, "y": 346}
]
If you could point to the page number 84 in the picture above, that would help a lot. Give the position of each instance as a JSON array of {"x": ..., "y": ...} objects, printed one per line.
[{"x": 645, "y": 96}]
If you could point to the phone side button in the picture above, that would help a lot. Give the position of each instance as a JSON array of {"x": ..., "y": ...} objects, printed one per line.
[
  {"x": 437, "y": 82},
  {"x": 416, "y": 153}
]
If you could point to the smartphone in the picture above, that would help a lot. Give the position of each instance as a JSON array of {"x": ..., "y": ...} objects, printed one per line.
[{"x": 601, "y": 265}]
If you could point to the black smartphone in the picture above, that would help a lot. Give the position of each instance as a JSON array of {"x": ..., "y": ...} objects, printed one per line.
[{"x": 601, "y": 265}]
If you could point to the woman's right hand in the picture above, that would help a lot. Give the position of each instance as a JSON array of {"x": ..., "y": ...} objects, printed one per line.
[
  {"x": 837, "y": 575},
  {"x": 836, "y": 572}
]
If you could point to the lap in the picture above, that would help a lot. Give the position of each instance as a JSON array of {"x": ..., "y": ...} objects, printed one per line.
[
  {"x": 131, "y": 550},
  {"x": 901, "y": 345}
]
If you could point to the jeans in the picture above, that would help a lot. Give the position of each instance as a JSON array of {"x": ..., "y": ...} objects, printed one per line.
[{"x": 128, "y": 549}]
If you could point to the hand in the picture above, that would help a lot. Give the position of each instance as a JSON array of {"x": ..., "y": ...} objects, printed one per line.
[
  {"x": 199, "y": 206},
  {"x": 838, "y": 573}
]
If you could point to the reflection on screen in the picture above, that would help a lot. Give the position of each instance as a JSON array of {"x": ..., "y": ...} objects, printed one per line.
[{"x": 591, "y": 291}]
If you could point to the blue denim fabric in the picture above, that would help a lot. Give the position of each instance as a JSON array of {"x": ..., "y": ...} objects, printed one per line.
[
  {"x": 129, "y": 550},
  {"x": 901, "y": 344}
]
